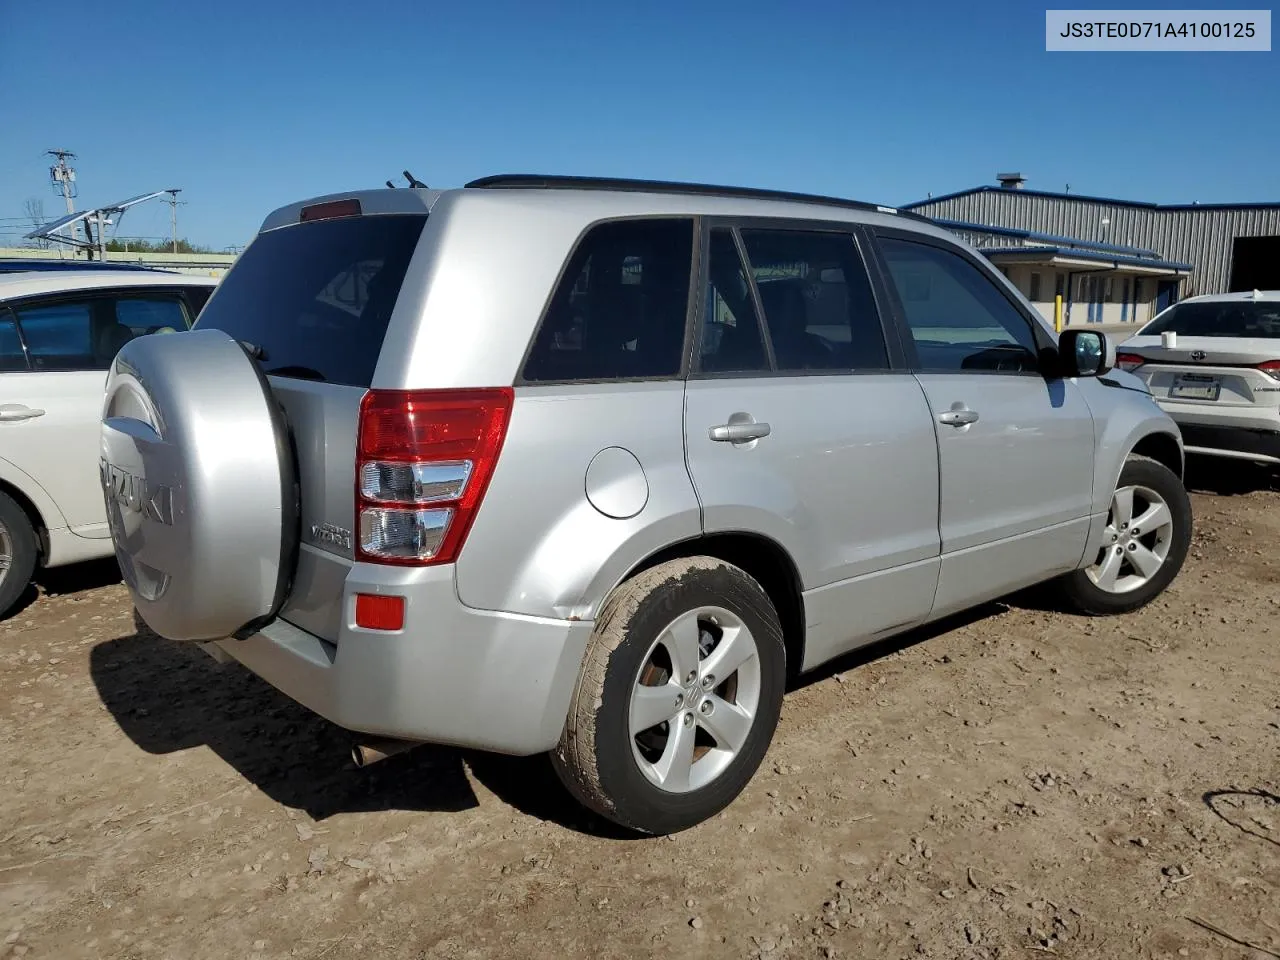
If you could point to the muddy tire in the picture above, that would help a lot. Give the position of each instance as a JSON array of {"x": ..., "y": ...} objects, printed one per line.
[
  {"x": 19, "y": 551},
  {"x": 200, "y": 484},
  {"x": 1145, "y": 544},
  {"x": 678, "y": 697}
]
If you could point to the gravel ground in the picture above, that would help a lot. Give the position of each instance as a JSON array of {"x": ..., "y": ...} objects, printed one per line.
[{"x": 1015, "y": 783}]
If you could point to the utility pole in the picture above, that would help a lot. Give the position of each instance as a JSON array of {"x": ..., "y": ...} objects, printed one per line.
[
  {"x": 173, "y": 202},
  {"x": 63, "y": 178}
]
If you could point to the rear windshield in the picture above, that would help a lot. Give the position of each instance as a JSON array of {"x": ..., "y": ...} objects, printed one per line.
[
  {"x": 315, "y": 298},
  {"x": 1223, "y": 318}
]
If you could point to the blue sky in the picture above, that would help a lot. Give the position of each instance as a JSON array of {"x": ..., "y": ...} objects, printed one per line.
[{"x": 249, "y": 106}]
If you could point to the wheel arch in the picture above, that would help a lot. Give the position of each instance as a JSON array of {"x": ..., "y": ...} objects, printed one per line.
[
  {"x": 761, "y": 557},
  {"x": 28, "y": 506},
  {"x": 1163, "y": 447}
]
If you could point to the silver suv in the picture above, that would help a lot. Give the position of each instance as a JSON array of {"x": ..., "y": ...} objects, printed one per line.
[{"x": 593, "y": 467}]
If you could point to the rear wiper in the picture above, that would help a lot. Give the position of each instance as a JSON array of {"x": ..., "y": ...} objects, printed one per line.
[{"x": 301, "y": 373}]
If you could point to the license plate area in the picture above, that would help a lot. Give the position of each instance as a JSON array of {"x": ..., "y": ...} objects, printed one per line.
[{"x": 1195, "y": 386}]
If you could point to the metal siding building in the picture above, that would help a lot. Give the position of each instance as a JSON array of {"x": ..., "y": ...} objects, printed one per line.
[{"x": 1202, "y": 235}]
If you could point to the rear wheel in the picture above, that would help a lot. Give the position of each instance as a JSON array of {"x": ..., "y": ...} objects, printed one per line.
[
  {"x": 1144, "y": 544},
  {"x": 678, "y": 698},
  {"x": 19, "y": 550}
]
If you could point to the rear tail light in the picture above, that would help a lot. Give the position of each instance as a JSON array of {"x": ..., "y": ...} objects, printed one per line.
[
  {"x": 1271, "y": 368},
  {"x": 1129, "y": 361},
  {"x": 330, "y": 210},
  {"x": 423, "y": 462}
]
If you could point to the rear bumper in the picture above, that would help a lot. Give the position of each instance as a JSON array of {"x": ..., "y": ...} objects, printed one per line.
[
  {"x": 1243, "y": 442},
  {"x": 453, "y": 675}
]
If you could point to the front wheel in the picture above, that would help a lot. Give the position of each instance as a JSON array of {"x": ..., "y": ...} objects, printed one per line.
[
  {"x": 678, "y": 697},
  {"x": 1144, "y": 544}
]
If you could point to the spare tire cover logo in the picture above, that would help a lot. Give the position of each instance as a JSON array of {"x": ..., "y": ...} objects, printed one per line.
[{"x": 153, "y": 500}]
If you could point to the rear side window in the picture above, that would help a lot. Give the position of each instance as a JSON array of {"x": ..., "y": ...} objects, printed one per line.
[
  {"x": 11, "y": 355},
  {"x": 315, "y": 298},
  {"x": 817, "y": 299},
  {"x": 60, "y": 335},
  {"x": 620, "y": 308}
]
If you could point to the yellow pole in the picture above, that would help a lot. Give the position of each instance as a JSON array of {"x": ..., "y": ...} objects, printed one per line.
[{"x": 1057, "y": 313}]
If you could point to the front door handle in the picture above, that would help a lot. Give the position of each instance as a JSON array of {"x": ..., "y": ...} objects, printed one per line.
[
  {"x": 13, "y": 412},
  {"x": 958, "y": 418},
  {"x": 742, "y": 432}
]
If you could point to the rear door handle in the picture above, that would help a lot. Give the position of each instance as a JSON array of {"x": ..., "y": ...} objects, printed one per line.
[
  {"x": 739, "y": 432},
  {"x": 13, "y": 412},
  {"x": 958, "y": 418}
]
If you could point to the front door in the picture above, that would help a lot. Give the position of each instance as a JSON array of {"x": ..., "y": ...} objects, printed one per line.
[
  {"x": 1015, "y": 450},
  {"x": 800, "y": 428}
]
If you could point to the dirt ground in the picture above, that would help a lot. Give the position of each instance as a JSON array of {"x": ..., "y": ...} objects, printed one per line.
[{"x": 1018, "y": 783}]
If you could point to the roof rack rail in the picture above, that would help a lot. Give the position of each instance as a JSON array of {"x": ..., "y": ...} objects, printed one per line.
[{"x": 532, "y": 181}]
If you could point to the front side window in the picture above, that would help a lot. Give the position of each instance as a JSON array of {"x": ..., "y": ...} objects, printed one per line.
[
  {"x": 959, "y": 318},
  {"x": 819, "y": 309},
  {"x": 620, "y": 309}
]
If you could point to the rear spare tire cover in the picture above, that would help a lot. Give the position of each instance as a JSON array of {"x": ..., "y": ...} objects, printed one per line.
[{"x": 198, "y": 474}]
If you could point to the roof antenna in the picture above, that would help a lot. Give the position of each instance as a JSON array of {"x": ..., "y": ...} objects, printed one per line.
[
  {"x": 390, "y": 185},
  {"x": 414, "y": 181}
]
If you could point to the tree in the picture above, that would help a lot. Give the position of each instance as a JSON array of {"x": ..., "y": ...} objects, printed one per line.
[{"x": 34, "y": 209}]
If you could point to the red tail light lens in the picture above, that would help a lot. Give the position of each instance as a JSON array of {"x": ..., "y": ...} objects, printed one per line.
[
  {"x": 424, "y": 459},
  {"x": 1271, "y": 368},
  {"x": 1129, "y": 361},
  {"x": 330, "y": 210},
  {"x": 376, "y": 612}
]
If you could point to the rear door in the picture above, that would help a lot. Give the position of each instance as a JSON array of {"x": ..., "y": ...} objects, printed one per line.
[
  {"x": 1015, "y": 449},
  {"x": 312, "y": 302},
  {"x": 800, "y": 426},
  {"x": 50, "y": 414}
]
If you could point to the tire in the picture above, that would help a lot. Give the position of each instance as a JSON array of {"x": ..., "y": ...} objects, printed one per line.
[
  {"x": 1085, "y": 588},
  {"x": 616, "y": 773},
  {"x": 19, "y": 545}
]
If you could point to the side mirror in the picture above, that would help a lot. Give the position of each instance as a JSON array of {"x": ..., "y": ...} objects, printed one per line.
[{"x": 1086, "y": 353}]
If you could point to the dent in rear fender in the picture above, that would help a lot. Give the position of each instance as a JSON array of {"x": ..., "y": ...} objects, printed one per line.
[
  {"x": 1122, "y": 418},
  {"x": 538, "y": 546}
]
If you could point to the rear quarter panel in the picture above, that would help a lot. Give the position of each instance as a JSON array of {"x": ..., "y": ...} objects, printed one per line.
[{"x": 538, "y": 546}]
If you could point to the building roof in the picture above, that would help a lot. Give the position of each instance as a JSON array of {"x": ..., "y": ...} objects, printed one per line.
[
  {"x": 1043, "y": 237},
  {"x": 1117, "y": 261},
  {"x": 1110, "y": 201}
]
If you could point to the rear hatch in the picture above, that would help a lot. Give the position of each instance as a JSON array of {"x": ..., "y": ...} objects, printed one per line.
[
  {"x": 311, "y": 302},
  {"x": 1221, "y": 353}
]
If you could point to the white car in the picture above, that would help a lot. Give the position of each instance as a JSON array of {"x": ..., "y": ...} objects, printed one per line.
[
  {"x": 59, "y": 331},
  {"x": 1213, "y": 363}
]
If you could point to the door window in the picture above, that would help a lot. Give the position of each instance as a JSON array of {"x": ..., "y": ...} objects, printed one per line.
[
  {"x": 87, "y": 334},
  {"x": 731, "y": 336},
  {"x": 959, "y": 319},
  {"x": 621, "y": 306},
  {"x": 11, "y": 355},
  {"x": 819, "y": 310}
]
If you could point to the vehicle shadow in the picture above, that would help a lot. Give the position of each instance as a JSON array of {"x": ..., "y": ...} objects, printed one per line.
[
  {"x": 169, "y": 696},
  {"x": 1228, "y": 478},
  {"x": 67, "y": 581},
  {"x": 1232, "y": 807}
]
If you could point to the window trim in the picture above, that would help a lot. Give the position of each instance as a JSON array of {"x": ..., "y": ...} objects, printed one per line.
[
  {"x": 856, "y": 234},
  {"x": 689, "y": 343},
  {"x": 7, "y": 313},
  {"x": 1046, "y": 349},
  {"x": 92, "y": 294}
]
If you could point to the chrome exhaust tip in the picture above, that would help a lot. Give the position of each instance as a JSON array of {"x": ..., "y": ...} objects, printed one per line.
[{"x": 371, "y": 751}]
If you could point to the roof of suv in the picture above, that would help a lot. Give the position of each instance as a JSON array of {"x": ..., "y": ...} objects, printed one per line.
[
  {"x": 13, "y": 285},
  {"x": 604, "y": 197}
]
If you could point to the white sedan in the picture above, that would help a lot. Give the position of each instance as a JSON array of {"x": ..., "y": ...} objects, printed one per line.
[
  {"x": 1213, "y": 363},
  {"x": 59, "y": 332}
]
